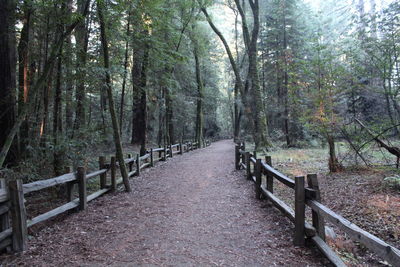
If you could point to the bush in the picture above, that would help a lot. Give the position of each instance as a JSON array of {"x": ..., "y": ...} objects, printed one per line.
[{"x": 392, "y": 182}]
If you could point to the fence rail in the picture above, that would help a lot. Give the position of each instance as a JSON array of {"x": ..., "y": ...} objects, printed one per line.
[
  {"x": 307, "y": 195},
  {"x": 12, "y": 202}
]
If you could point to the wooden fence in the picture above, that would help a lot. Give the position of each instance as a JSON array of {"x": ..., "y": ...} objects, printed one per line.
[
  {"x": 263, "y": 175},
  {"x": 13, "y": 218}
]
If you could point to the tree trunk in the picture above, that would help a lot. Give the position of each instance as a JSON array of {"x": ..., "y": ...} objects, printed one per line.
[
  {"x": 334, "y": 165},
  {"x": 7, "y": 75},
  {"x": 69, "y": 88},
  {"x": 200, "y": 98},
  {"x": 121, "y": 112},
  {"x": 39, "y": 84},
  {"x": 81, "y": 37},
  {"x": 24, "y": 72},
  {"x": 116, "y": 131}
]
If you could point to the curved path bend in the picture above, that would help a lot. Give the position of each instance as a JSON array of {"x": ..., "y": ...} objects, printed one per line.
[{"x": 193, "y": 210}]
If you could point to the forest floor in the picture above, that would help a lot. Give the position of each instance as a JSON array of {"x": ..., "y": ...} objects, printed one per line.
[
  {"x": 358, "y": 194},
  {"x": 192, "y": 210}
]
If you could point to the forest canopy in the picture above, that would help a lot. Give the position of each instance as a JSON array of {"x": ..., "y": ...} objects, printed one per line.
[{"x": 77, "y": 76}]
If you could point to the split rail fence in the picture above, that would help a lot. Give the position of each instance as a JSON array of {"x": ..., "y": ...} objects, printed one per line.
[
  {"x": 263, "y": 174},
  {"x": 13, "y": 218}
]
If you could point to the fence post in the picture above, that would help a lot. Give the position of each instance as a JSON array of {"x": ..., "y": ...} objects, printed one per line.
[
  {"x": 257, "y": 173},
  {"x": 299, "y": 211},
  {"x": 318, "y": 221},
  {"x": 103, "y": 177},
  {"x": 244, "y": 154},
  {"x": 130, "y": 165},
  {"x": 180, "y": 148},
  {"x": 70, "y": 186},
  {"x": 113, "y": 172},
  {"x": 165, "y": 153},
  {"x": 171, "y": 153},
  {"x": 5, "y": 218},
  {"x": 137, "y": 164},
  {"x": 81, "y": 176},
  {"x": 269, "y": 178},
  {"x": 151, "y": 158},
  {"x": 247, "y": 162},
  {"x": 237, "y": 157},
  {"x": 18, "y": 215}
]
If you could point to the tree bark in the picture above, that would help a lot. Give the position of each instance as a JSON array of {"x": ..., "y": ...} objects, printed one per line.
[
  {"x": 200, "y": 97},
  {"x": 81, "y": 37},
  {"x": 39, "y": 84},
  {"x": 116, "y": 131},
  {"x": 7, "y": 74}
]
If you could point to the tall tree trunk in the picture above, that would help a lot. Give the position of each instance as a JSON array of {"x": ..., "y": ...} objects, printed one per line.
[
  {"x": 334, "y": 165},
  {"x": 24, "y": 72},
  {"x": 122, "y": 103},
  {"x": 81, "y": 37},
  {"x": 200, "y": 98},
  {"x": 285, "y": 82},
  {"x": 7, "y": 75},
  {"x": 57, "y": 120},
  {"x": 116, "y": 132},
  {"x": 69, "y": 88},
  {"x": 39, "y": 84}
]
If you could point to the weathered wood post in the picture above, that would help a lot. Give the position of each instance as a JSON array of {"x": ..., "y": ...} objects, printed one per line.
[
  {"x": 137, "y": 164},
  {"x": 171, "y": 153},
  {"x": 237, "y": 157},
  {"x": 70, "y": 185},
  {"x": 318, "y": 221},
  {"x": 257, "y": 173},
  {"x": 103, "y": 177},
  {"x": 18, "y": 215},
  {"x": 113, "y": 171},
  {"x": 130, "y": 165},
  {"x": 299, "y": 211},
  {"x": 269, "y": 178},
  {"x": 247, "y": 162},
  {"x": 151, "y": 158},
  {"x": 165, "y": 153},
  {"x": 81, "y": 177},
  {"x": 244, "y": 154},
  {"x": 180, "y": 148}
]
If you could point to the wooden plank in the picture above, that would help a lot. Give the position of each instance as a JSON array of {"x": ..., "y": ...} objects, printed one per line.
[
  {"x": 39, "y": 185},
  {"x": 285, "y": 209},
  {"x": 81, "y": 173},
  {"x": 96, "y": 173},
  {"x": 6, "y": 233},
  {"x": 328, "y": 252},
  {"x": 54, "y": 212},
  {"x": 158, "y": 149},
  {"x": 103, "y": 176},
  {"x": 4, "y": 208},
  {"x": 144, "y": 157},
  {"x": 380, "y": 247},
  {"x": 18, "y": 215},
  {"x": 252, "y": 159},
  {"x": 145, "y": 166},
  {"x": 4, "y": 195},
  {"x": 247, "y": 162},
  {"x": 132, "y": 173},
  {"x": 5, "y": 243},
  {"x": 279, "y": 176},
  {"x": 97, "y": 194},
  {"x": 129, "y": 160},
  {"x": 243, "y": 165},
  {"x": 318, "y": 221},
  {"x": 299, "y": 211}
]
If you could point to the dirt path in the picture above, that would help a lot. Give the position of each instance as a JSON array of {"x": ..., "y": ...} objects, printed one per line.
[{"x": 191, "y": 210}]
